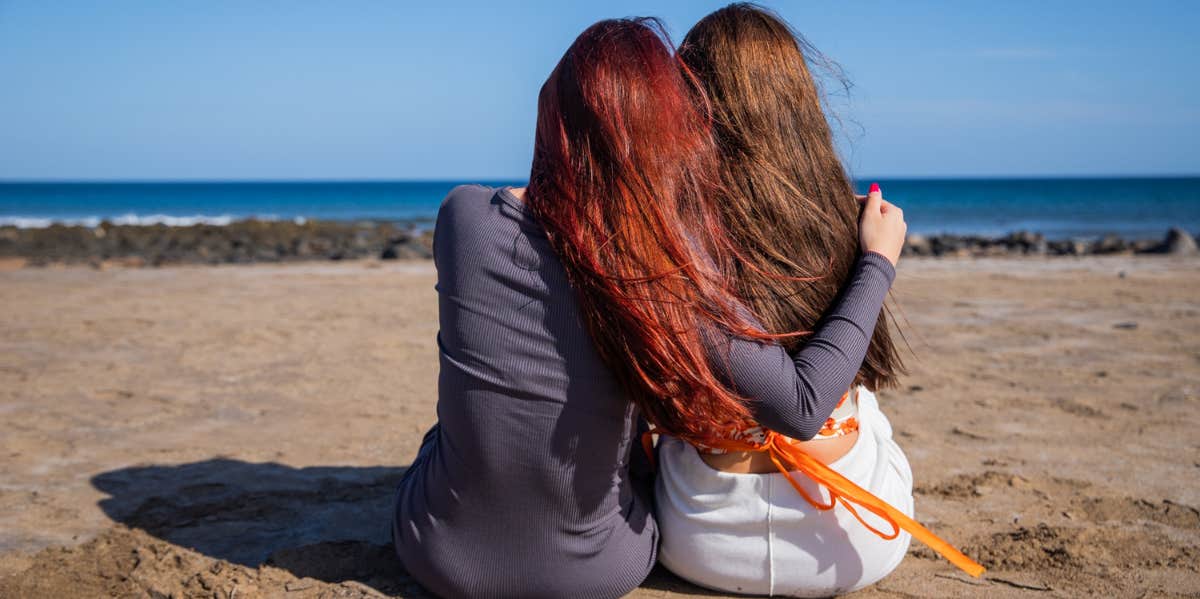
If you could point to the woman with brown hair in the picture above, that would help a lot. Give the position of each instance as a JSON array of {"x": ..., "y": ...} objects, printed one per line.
[{"x": 733, "y": 513}]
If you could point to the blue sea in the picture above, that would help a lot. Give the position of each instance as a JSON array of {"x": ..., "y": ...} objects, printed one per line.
[{"x": 1135, "y": 208}]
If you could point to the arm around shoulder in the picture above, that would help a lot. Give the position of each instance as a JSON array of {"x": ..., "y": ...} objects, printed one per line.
[{"x": 795, "y": 394}]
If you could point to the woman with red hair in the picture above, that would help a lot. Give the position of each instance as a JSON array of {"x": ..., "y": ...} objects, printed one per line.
[{"x": 597, "y": 295}]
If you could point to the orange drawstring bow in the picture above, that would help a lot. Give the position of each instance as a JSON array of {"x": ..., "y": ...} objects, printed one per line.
[{"x": 789, "y": 458}]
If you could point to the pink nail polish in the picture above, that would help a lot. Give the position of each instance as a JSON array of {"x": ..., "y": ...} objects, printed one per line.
[{"x": 874, "y": 188}]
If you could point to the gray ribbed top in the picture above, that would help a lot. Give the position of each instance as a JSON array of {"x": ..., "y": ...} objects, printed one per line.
[{"x": 523, "y": 488}]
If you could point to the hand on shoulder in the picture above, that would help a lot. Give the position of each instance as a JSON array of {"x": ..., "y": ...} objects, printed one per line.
[{"x": 882, "y": 227}]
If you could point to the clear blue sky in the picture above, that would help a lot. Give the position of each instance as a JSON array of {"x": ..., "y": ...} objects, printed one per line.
[{"x": 447, "y": 90}]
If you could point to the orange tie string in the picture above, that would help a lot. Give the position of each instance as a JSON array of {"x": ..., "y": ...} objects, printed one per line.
[{"x": 789, "y": 458}]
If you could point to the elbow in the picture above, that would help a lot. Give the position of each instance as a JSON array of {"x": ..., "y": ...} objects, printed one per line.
[
  {"x": 807, "y": 431},
  {"x": 795, "y": 426}
]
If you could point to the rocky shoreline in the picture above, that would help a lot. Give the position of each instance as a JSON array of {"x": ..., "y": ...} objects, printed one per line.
[
  {"x": 240, "y": 242},
  {"x": 1176, "y": 242},
  {"x": 251, "y": 241}
]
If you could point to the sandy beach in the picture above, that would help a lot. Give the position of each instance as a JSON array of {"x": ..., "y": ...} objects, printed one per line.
[{"x": 236, "y": 431}]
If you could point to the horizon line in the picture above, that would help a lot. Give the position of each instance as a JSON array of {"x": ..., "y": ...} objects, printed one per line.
[{"x": 465, "y": 180}]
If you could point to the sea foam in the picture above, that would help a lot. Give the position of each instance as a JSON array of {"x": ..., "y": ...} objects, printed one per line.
[{"x": 36, "y": 222}]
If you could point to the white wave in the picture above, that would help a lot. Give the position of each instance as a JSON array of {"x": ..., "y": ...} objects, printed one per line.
[
  {"x": 25, "y": 222},
  {"x": 36, "y": 222}
]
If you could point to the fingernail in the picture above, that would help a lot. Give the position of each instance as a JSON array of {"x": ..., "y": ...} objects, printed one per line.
[{"x": 874, "y": 188}]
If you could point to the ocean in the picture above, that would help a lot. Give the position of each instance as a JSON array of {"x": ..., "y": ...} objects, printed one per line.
[{"x": 1134, "y": 208}]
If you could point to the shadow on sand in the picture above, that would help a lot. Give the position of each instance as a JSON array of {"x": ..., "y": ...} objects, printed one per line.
[{"x": 329, "y": 523}]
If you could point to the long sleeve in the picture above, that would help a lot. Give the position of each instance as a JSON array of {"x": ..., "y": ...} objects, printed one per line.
[{"x": 795, "y": 394}]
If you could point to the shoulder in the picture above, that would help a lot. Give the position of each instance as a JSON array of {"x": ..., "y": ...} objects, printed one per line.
[
  {"x": 473, "y": 221},
  {"x": 483, "y": 207},
  {"x": 465, "y": 199},
  {"x": 468, "y": 192},
  {"x": 466, "y": 207}
]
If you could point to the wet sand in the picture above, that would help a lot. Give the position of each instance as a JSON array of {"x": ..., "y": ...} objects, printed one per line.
[{"x": 237, "y": 430}]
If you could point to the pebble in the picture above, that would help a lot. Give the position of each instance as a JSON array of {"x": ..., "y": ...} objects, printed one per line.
[{"x": 299, "y": 585}]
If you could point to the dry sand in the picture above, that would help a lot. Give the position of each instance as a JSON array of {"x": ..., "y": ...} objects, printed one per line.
[{"x": 237, "y": 431}]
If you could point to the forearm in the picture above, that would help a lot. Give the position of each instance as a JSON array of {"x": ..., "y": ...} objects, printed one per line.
[{"x": 794, "y": 395}]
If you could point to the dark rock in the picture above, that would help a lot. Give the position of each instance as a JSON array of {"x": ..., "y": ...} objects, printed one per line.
[
  {"x": 1144, "y": 246},
  {"x": 1025, "y": 242},
  {"x": 1080, "y": 247},
  {"x": 1110, "y": 244},
  {"x": 1179, "y": 243},
  {"x": 947, "y": 244},
  {"x": 918, "y": 245},
  {"x": 1070, "y": 247}
]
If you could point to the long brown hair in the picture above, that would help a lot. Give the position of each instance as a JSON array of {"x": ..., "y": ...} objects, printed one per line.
[
  {"x": 623, "y": 158},
  {"x": 786, "y": 199}
]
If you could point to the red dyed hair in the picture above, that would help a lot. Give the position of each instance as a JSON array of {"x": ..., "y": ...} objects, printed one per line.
[{"x": 623, "y": 157}]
